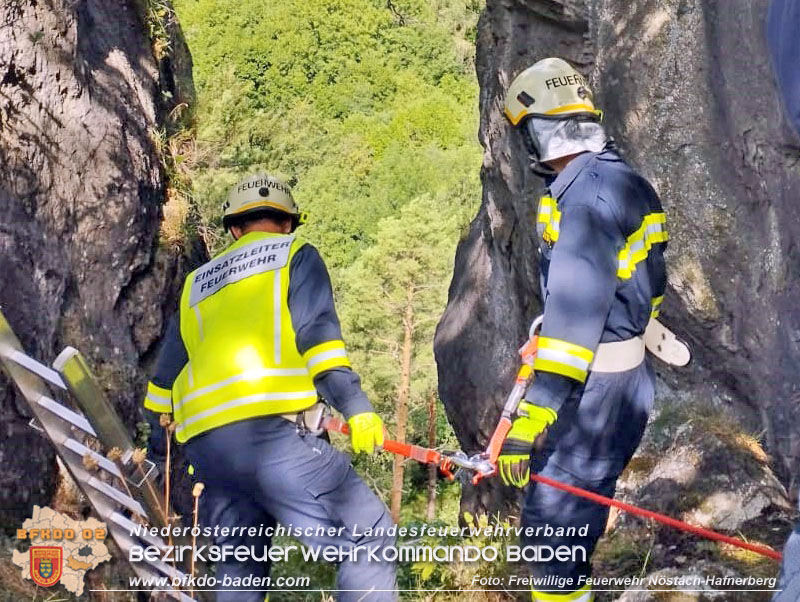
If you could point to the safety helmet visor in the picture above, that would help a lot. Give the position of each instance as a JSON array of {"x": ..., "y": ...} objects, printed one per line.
[
  {"x": 530, "y": 137},
  {"x": 549, "y": 139}
]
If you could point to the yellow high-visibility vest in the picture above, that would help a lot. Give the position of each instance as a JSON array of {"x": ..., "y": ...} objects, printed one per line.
[{"x": 235, "y": 324}]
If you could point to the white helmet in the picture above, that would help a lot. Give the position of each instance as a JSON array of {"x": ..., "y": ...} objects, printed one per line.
[
  {"x": 549, "y": 88},
  {"x": 261, "y": 193}
]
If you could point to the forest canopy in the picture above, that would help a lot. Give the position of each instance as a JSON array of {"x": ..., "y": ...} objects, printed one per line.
[{"x": 369, "y": 109}]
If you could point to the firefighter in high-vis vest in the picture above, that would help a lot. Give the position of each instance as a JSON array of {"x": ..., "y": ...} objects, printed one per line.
[
  {"x": 255, "y": 343},
  {"x": 603, "y": 235}
]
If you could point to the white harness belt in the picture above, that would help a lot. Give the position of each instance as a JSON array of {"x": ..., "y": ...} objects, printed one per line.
[
  {"x": 619, "y": 356},
  {"x": 627, "y": 355}
]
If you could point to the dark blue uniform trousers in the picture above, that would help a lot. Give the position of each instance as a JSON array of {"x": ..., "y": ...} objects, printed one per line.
[
  {"x": 598, "y": 429},
  {"x": 262, "y": 471},
  {"x": 789, "y": 583}
]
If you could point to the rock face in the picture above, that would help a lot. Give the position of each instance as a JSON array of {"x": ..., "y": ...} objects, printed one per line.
[
  {"x": 689, "y": 95},
  {"x": 81, "y": 188}
]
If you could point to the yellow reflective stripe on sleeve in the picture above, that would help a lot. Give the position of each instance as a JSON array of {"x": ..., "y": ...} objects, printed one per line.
[
  {"x": 653, "y": 230},
  {"x": 655, "y": 306},
  {"x": 326, "y": 356},
  {"x": 550, "y": 216},
  {"x": 546, "y": 206},
  {"x": 584, "y": 594},
  {"x": 562, "y": 357},
  {"x": 158, "y": 399}
]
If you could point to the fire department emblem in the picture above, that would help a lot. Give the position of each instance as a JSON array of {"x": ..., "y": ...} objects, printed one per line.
[{"x": 46, "y": 564}]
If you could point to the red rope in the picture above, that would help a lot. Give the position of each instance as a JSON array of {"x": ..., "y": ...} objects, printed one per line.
[
  {"x": 431, "y": 456},
  {"x": 600, "y": 499}
]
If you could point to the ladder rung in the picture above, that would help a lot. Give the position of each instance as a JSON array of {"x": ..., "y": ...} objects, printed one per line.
[
  {"x": 82, "y": 450},
  {"x": 157, "y": 565},
  {"x": 166, "y": 569},
  {"x": 38, "y": 395},
  {"x": 37, "y": 368},
  {"x": 132, "y": 528},
  {"x": 116, "y": 495},
  {"x": 66, "y": 414}
]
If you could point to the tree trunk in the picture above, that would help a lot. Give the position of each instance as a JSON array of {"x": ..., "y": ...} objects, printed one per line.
[
  {"x": 401, "y": 412},
  {"x": 81, "y": 189},
  {"x": 430, "y": 512},
  {"x": 710, "y": 135}
]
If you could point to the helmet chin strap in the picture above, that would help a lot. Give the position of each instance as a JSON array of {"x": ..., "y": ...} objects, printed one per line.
[{"x": 540, "y": 168}]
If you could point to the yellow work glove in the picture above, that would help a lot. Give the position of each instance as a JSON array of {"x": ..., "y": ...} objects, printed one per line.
[
  {"x": 514, "y": 461},
  {"x": 366, "y": 432}
]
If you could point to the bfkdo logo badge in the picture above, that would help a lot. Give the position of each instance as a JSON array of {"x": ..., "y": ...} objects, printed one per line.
[{"x": 46, "y": 564}]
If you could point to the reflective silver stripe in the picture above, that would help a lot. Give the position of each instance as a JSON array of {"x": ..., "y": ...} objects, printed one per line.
[
  {"x": 326, "y": 355},
  {"x": 277, "y": 309},
  {"x": 245, "y": 401},
  {"x": 637, "y": 246},
  {"x": 252, "y": 375},
  {"x": 159, "y": 401},
  {"x": 158, "y": 398},
  {"x": 562, "y": 357},
  {"x": 654, "y": 229},
  {"x": 199, "y": 321}
]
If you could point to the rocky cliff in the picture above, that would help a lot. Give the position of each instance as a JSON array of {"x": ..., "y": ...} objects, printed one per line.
[
  {"x": 83, "y": 104},
  {"x": 688, "y": 93}
]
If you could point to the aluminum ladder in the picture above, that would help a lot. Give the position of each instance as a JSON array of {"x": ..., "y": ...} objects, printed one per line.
[{"x": 117, "y": 490}]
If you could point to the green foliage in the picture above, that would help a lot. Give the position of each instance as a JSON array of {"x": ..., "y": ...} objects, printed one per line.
[
  {"x": 409, "y": 264},
  {"x": 457, "y": 577},
  {"x": 367, "y": 104},
  {"x": 157, "y": 16},
  {"x": 371, "y": 108}
]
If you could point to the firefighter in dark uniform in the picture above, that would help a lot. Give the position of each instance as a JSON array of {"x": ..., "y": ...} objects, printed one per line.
[
  {"x": 255, "y": 342},
  {"x": 603, "y": 235},
  {"x": 783, "y": 20}
]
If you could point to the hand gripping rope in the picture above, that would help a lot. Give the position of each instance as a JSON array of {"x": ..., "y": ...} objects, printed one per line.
[{"x": 484, "y": 464}]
